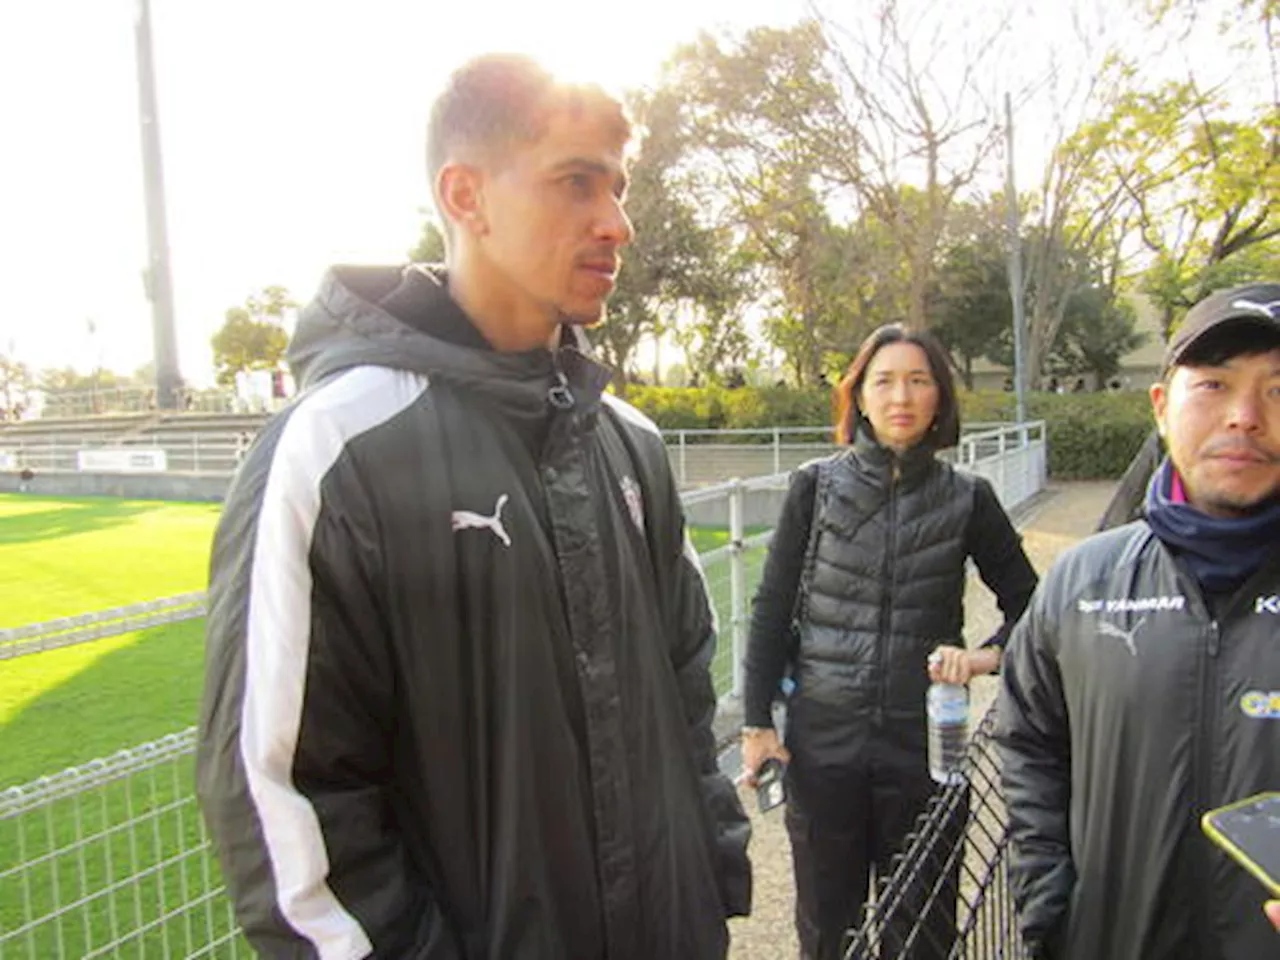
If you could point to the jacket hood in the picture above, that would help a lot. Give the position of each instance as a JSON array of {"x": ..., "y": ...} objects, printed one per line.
[{"x": 346, "y": 325}]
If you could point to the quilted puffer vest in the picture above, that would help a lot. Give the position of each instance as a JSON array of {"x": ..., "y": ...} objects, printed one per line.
[{"x": 885, "y": 584}]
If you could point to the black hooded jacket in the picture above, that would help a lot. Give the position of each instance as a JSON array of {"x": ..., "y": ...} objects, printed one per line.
[
  {"x": 1129, "y": 708},
  {"x": 458, "y": 699}
]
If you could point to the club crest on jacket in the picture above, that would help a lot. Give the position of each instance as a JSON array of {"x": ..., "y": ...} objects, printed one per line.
[{"x": 634, "y": 501}]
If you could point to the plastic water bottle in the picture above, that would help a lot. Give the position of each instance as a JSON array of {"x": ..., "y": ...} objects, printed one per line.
[{"x": 947, "y": 710}]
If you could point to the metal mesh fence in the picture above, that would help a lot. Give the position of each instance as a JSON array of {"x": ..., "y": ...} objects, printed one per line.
[
  {"x": 111, "y": 859},
  {"x": 949, "y": 894},
  {"x": 717, "y": 566},
  {"x": 65, "y": 631}
]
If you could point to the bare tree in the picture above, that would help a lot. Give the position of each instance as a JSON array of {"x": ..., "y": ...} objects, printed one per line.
[{"x": 919, "y": 84}]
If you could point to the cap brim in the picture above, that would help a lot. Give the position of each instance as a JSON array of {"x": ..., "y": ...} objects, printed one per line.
[{"x": 1219, "y": 327}]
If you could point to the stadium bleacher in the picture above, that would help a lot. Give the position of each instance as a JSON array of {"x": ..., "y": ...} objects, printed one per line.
[{"x": 192, "y": 442}]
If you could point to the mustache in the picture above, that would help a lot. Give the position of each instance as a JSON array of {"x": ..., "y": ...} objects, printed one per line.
[{"x": 1242, "y": 446}]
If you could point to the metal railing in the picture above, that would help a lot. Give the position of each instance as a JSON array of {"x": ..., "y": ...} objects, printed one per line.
[
  {"x": 746, "y": 510},
  {"x": 949, "y": 892},
  {"x": 698, "y": 457},
  {"x": 214, "y": 451},
  {"x": 112, "y": 858},
  {"x": 1013, "y": 457},
  {"x": 132, "y": 399},
  {"x": 65, "y": 631}
]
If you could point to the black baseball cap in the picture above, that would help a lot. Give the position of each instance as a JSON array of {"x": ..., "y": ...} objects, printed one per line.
[{"x": 1249, "y": 304}]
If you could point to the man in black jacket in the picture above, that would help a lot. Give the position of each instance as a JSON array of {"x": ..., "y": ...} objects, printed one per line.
[
  {"x": 1141, "y": 688},
  {"x": 458, "y": 701}
]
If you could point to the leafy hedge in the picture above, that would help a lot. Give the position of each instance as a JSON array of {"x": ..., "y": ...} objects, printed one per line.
[
  {"x": 719, "y": 408},
  {"x": 1092, "y": 436}
]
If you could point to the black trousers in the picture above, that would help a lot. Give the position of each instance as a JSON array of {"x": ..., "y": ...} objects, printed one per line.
[{"x": 842, "y": 829}]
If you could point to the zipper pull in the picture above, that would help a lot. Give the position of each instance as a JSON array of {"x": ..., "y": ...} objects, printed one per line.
[
  {"x": 1215, "y": 638},
  {"x": 560, "y": 396}
]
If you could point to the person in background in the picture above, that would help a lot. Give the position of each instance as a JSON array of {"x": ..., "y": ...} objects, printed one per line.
[
  {"x": 1139, "y": 690},
  {"x": 458, "y": 699},
  {"x": 868, "y": 564}
]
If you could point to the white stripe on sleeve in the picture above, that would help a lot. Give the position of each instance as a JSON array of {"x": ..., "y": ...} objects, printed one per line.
[{"x": 279, "y": 636}]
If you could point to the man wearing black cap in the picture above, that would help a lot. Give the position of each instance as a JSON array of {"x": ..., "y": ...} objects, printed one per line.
[{"x": 1142, "y": 687}]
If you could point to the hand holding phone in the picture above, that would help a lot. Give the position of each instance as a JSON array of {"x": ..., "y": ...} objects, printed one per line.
[
  {"x": 771, "y": 791},
  {"x": 1249, "y": 831}
]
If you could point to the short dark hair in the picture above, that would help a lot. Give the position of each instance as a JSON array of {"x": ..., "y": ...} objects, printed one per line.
[
  {"x": 503, "y": 98},
  {"x": 945, "y": 430}
]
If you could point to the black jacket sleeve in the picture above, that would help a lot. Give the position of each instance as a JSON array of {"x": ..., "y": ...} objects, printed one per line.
[
  {"x": 769, "y": 640},
  {"x": 996, "y": 548},
  {"x": 1034, "y": 739},
  {"x": 296, "y": 732}
]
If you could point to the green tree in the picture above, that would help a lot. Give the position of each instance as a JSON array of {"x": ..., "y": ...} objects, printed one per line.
[
  {"x": 679, "y": 275},
  {"x": 971, "y": 309},
  {"x": 755, "y": 109},
  {"x": 1206, "y": 202},
  {"x": 430, "y": 245},
  {"x": 16, "y": 384},
  {"x": 68, "y": 392},
  {"x": 1213, "y": 194},
  {"x": 1097, "y": 332},
  {"x": 252, "y": 336}
]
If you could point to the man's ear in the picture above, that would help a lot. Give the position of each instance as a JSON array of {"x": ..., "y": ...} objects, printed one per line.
[
  {"x": 1159, "y": 403},
  {"x": 460, "y": 193}
]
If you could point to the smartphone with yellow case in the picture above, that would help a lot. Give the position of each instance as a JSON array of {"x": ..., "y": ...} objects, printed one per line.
[{"x": 1249, "y": 830}]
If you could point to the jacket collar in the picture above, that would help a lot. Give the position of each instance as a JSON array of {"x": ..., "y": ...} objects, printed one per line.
[
  {"x": 348, "y": 324},
  {"x": 880, "y": 462}
]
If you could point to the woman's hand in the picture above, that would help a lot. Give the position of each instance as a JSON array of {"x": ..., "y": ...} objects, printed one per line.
[
  {"x": 950, "y": 664},
  {"x": 758, "y": 745}
]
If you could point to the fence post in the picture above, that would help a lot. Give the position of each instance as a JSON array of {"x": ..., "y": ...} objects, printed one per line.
[
  {"x": 737, "y": 580},
  {"x": 777, "y": 450}
]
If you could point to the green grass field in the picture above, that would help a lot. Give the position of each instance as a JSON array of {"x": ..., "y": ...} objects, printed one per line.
[
  {"x": 63, "y": 557},
  {"x": 68, "y": 706}
]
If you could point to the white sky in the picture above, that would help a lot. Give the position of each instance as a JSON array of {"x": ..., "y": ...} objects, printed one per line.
[{"x": 292, "y": 134}]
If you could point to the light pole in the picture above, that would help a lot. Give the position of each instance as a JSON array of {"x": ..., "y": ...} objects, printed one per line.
[
  {"x": 1015, "y": 269},
  {"x": 158, "y": 279}
]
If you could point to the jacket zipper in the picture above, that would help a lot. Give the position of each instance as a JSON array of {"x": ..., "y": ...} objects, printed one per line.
[
  {"x": 1204, "y": 752},
  {"x": 886, "y": 603},
  {"x": 559, "y": 395}
]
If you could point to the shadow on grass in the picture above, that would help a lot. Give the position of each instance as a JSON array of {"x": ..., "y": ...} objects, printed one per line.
[
  {"x": 63, "y": 518},
  {"x": 133, "y": 695},
  {"x": 122, "y": 864}
]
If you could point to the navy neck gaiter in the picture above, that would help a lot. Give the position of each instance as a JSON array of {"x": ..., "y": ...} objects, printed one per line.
[{"x": 1222, "y": 552}]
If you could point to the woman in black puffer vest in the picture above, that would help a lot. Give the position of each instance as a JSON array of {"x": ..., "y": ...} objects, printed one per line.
[{"x": 865, "y": 579}]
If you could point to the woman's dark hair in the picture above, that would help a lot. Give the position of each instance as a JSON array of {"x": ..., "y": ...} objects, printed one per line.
[{"x": 944, "y": 431}]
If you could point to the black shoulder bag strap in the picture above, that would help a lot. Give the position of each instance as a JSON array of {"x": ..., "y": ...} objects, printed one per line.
[{"x": 821, "y": 486}]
